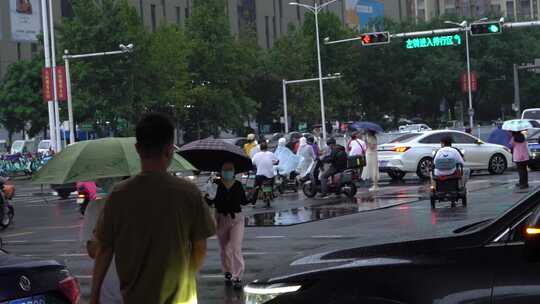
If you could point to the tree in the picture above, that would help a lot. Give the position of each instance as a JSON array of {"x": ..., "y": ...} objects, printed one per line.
[
  {"x": 21, "y": 105},
  {"x": 218, "y": 71}
]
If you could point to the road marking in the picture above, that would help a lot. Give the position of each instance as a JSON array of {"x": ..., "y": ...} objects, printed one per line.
[
  {"x": 254, "y": 253},
  {"x": 67, "y": 255},
  {"x": 15, "y": 242},
  {"x": 270, "y": 237},
  {"x": 64, "y": 241},
  {"x": 211, "y": 276},
  {"x": 326, "y": 236},
  {"x": 17, "y": 234},
  {"x": 59, "y": 227},
  {"x": 83, "y": 277}
]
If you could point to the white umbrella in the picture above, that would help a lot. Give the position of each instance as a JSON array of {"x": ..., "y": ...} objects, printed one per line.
[{"x": 517, "y": 125}]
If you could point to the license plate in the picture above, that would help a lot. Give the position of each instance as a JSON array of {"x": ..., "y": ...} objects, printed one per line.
[
  {"x": 31, "y": 300},
  {"x": 383, "y": 163}
]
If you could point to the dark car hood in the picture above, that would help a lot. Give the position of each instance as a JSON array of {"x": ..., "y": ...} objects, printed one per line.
[
  {"x": 8, "y": 262},
  {"x": 409, "y": 252}
]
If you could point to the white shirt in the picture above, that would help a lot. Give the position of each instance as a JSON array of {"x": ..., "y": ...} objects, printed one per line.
[
  {"x": 264, "y": 161},
  {"x": 447, "y": 152},
  {"x": 358, "y": 147},
  {"x": 110, "y": 289}
]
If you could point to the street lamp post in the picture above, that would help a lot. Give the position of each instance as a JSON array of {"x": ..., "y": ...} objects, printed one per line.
[
  {"x": 286, "y": 82},
  {"x": 316, "y": 9},
  {"x": 465, "y": 26},
  {"x": 123, "y": 49}
]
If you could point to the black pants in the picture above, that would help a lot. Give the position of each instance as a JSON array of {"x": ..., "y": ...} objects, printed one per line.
[
  {"x": 523, "y": 174},
  {"x": 259, "y": 180},
  {"x": 324, "y": 178}
]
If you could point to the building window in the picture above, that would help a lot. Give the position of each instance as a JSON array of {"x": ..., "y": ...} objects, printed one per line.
[
  {"x": 19, "y": 51},
  {"x": 187, "y": 9},
  {"x": 141, "y": 9},
  {"x": 66, "y": 8},
  {"x": 267, "y": 31},
  {"x": 274, "y": 25},
  {"x": 298, "y": 13},
  {"x": 153, "y": 16},
  {"x": 178, "y": 18},
  {"x": 164, "y": 7},
  {"x": 33, "y": 49}
]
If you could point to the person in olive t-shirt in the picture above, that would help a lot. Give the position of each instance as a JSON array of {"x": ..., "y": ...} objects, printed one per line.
[{"x": 155, "y": 224}]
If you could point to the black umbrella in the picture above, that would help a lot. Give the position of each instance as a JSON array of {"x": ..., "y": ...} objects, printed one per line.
[{"x": 210, "y": 154}]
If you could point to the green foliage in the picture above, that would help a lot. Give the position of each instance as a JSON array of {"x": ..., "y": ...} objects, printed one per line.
[{"x": 21, "y": 105}]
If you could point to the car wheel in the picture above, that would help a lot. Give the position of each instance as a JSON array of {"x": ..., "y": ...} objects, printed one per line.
[
  {"x": 309, "y": 190},
  {"x": 424, "y": 168},
  {"x": 497, "y": 164},
  {"x": 64, "y": 194},
  {"x": 396, "y": 175}
]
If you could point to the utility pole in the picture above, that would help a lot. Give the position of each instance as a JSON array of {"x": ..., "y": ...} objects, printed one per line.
[
  {"x": 517, "y": 103},
  {"x": 47, "y": 53}
]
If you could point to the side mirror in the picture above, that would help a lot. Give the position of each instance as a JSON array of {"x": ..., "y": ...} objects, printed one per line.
[
  {"x": 478, "y": 142},
  {"x": 532, "y": 237}
]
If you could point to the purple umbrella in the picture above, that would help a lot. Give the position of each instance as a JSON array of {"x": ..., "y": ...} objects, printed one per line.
[
  {"x": 366, "y": 125},
  {"x": 210, "y": 154}
]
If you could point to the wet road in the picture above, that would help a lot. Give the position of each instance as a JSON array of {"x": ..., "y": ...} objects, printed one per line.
[{"x": 46, "y": 227}]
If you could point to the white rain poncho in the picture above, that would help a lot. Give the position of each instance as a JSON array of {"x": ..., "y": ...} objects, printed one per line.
[
  {"x": 288, "y": 161},
  {"x": 307, "y": 157}
]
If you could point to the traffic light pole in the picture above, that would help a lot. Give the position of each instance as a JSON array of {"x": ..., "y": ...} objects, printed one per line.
[{"x": 469, "y": 86}]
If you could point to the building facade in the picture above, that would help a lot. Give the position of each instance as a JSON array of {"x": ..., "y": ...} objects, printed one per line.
[{"x": 512, "y": 9}]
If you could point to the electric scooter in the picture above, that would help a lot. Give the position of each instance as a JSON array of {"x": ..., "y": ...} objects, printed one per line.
[{"x": 342, "y": 182}]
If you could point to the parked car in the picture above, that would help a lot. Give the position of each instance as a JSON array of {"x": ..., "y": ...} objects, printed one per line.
[
  {"x": 533, "y": 141},
  {"x": 64, "y": 190},
  {"x": 532, "y": 113},
  {"x": 25, "y": 280},
  {"x": 23, "y": 146},
  {"x": 490, "y": 261},
  {"x": 413, "y": 153},
  {"x": 44, "y": 147},
  {"x": 414, "y": 128}
]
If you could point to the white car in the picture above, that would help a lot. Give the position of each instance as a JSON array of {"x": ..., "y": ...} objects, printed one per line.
[{"x": 413, "y": 153}]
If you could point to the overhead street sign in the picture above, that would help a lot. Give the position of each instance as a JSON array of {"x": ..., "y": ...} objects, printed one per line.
[{"x": 434, "y": 41}]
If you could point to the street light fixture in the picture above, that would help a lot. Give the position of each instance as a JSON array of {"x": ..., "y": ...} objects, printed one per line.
[
  {"x": 123, "y": 50},
  {"x": 316, "y": 9}
]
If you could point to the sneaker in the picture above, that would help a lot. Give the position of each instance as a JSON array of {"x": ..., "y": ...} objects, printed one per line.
[
  {"x": 237, "y": 284},
  {"x": 228, "y": 278}
]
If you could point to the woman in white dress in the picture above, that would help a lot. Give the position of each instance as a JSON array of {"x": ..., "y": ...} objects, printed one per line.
[{"x": 371, "y": 171}]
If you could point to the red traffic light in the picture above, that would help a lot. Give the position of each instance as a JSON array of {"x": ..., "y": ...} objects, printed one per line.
[{"x": 375, "y": 38}]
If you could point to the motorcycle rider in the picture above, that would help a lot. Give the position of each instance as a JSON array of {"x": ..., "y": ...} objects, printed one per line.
[
  {"x": 250, "y": 144},
  {"x": 264, "y": 161},
  {"x": 337, "y": 158}
]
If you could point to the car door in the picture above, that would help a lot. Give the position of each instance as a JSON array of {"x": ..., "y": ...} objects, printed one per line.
[
  {"x": 475, "y": 155},
  {"x": 516, "y": 279}
]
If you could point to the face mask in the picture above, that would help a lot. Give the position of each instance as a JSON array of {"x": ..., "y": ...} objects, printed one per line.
[{"x": 227, "y": 175}]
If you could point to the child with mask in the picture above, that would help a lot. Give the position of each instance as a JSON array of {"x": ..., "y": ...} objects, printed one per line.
[{"x": 230, "y": 197}]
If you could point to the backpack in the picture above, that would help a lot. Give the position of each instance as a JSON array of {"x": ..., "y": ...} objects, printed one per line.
[{"x": 445, "y": 163}]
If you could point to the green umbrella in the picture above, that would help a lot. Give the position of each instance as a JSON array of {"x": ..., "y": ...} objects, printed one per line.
[{"x": 94, "y": 159}]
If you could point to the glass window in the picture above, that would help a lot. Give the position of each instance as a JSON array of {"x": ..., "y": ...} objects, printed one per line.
[
  {"x": 178, "y": 17},
  {"x": 531, "y": 114},
  {"x": 153, "y": 16},
  {"x": 405, "y": 138},
  {"x": 433, "y": 139},
  {"x": 460, "y": 138}
]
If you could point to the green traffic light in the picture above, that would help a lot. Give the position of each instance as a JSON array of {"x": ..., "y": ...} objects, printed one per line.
[{"x": 493, "y": 28}]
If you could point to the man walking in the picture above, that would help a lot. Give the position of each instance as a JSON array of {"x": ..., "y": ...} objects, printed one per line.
[{"x": 155, "y": 224}]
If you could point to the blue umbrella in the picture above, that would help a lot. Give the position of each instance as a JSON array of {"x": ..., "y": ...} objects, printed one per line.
[{"x": 366, "y": 125}]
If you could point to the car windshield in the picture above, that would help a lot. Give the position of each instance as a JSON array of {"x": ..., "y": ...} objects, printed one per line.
[
  {"x": 531, "y": 114},
  {"x": 17, "y": 145},
  {"x": 44, "y": 145},
  {"x": 405, "y": 138}
]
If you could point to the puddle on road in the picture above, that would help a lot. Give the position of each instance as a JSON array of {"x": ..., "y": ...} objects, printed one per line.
[{"x": 323, "y": 211}]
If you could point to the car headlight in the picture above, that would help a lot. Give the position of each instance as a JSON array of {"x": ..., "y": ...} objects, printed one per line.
[{"x": 259, "y": 294}]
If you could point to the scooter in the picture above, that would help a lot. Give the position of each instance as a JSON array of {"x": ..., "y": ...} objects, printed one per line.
[
  {"x": 286, "y": 182},
  {"x": 7, "y": 212},
  {"x": 342, "y": 182},
  {"x": 448, "y": 188},
  {"x": 83, "y": 199}
]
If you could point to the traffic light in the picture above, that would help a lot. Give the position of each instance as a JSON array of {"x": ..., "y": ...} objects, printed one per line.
[
  {"x": 375, "y": 38},
  {"x": 486, "y": 28}
]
